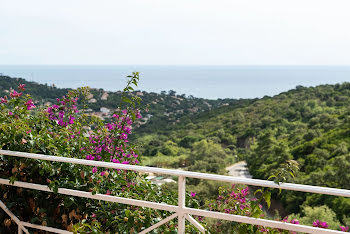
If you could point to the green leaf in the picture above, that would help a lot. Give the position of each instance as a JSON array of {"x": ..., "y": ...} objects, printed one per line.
[{"x": 267, "y": 198}]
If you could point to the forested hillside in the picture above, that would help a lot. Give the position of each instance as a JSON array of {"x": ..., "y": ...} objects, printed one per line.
[
  {"x": 309, "y": 125},
  {"x": 164, "y": 109}
]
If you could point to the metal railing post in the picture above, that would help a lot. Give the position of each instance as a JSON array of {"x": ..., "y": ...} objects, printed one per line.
[{"x": 181, "y": 204}]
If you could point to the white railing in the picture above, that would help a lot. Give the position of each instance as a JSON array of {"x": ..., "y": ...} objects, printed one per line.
[{"x": 180, "y": 211}]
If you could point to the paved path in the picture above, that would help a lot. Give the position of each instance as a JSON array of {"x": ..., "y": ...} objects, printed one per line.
[{"x": 239, "y": 169}]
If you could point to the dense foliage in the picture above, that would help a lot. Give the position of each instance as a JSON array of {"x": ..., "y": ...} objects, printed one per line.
[
  {"x": 309, "y": 125},
  {"x": 62, "y": 129}
]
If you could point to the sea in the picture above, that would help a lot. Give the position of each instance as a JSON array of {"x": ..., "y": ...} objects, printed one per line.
[{"x": 211, "y": 82}]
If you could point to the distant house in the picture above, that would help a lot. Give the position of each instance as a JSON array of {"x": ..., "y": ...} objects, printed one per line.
[
  {"x": 104, "y": 96},
  {"x": 105, "y": 110}
]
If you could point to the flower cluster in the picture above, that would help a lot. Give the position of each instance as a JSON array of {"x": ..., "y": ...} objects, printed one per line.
[
  {"x": 112, "y": 146},
  {"x": 233, "y": 201},
  {"x": 320, "y": 224},
  {"x": 15, "y": 94},
  {"x": 26, "y": 102},
  {"x": 3, "y": 100},
  {"x": 293, "y": 221},
  {"x": 63, "y": 112},
  {"x": 29, "y": 104}
]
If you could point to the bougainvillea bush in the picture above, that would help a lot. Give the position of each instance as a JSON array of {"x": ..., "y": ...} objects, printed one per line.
[{"x": 63, "y": 129}]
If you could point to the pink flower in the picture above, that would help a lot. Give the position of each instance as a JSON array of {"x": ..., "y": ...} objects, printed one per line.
[
  {"x": 323, "y": 224},
  {"x": 316, "y": 223},
  {"x": 94, "y": 170},
  {"x": 14, "y": 94},
  {"x": 61, "y": 114},
  {"x": 108, "y": 192},
  {"x": 127, "y": 130},
  {"x": 320, "y": 224},
  {"x": 21, "y": 87},
  {"x": 123, "y": 136},
  {"x": 90, "y": 157},
  {"x": 124, "y": 112},
  {"x": 10, "y": 113},
  {"x": 294, "y": 221},
  {"x": 30, "y": 105},
  {"x": 62, "y": 123},
  {"x": 103, "y": 173},
  {"x": 115, "y": 160},
  {"x": 93, "y": 215},
  {"x": 344, "y": 229},
  {"x": 193, "y": 194},
  {"x": 71, "y": 120},
  {"x": 245, "y": 191},
  {"x": 110, "y": 126},
  {"x": 3, "y": 100}
]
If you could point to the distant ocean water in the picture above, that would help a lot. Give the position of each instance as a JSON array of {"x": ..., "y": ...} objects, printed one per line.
[{"x": 200, "y": 81}]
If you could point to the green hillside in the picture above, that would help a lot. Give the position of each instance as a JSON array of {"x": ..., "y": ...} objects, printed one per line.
[{"x": 309, "y": 125}]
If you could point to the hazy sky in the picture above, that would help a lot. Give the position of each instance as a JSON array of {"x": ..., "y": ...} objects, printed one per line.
[{"x": 175, "y": 32}]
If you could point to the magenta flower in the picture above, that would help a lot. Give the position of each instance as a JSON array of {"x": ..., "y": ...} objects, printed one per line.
[
  {"x": 10, "y": 113},
  {"x": 94, "y": 170},
  {"x": 15, "y": 94},
  {"x": 62, "y": 123},
  {"x": 245, "y": 191},
  {"x": 323, "y": 224},
  {"x": 30, "y": 105},
  {"x": 294, "y": 221},
  {"x": 115, "y": 160},
  {"x": 103, "y": 173},
  {"x": 21, "y": 87},
  {"x": 193, "y": 194},
  {"x": 344, "y": 229},
  {"x": 90, "y": 157},
  {"x": 93, "y": 215},
  {"x": 3, "y": 100},
  {"x": 320, "y": 224},
  {"x": 61, "y": 114},
  {"x": 110, "y": 126},
  {"x": 124, "y": 112},
  {"x": 71, "y": 119},
  {"x": 123, "y": 136},
  {"x": 316, "y": 223}
]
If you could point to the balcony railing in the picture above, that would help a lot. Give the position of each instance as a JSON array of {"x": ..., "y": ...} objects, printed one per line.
[{"x": 181, "y": 212}]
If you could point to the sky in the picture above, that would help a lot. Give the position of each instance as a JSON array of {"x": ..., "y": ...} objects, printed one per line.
[{"x": 175, "y": 32}]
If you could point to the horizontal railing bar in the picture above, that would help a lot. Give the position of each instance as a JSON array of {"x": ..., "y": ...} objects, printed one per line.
[
  {"x": 159, "y": 206},
  {"x": 256, "y": 221},
  {"x": 77, "y": 193},
  {"x": 190, "y": 174},
  {"x": 45, "y": 228}
]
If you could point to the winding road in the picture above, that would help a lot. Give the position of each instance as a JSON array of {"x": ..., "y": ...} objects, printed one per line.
[{"x": 239, "y": 169}]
